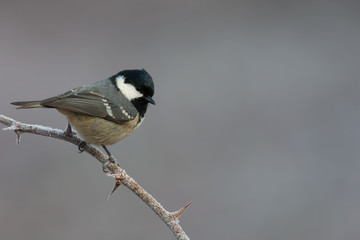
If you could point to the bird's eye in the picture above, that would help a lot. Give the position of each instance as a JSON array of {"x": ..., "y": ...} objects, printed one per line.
[{"x": 140, "y": 88}]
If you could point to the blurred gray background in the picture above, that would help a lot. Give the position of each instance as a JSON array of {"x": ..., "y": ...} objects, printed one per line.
[{"x": 257, "y": 118}]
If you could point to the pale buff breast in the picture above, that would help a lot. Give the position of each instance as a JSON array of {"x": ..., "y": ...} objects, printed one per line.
[{"x": 98, "y": 131}]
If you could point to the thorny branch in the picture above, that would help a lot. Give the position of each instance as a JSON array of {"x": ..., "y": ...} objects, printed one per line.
[{"x": 121, "y": 177}]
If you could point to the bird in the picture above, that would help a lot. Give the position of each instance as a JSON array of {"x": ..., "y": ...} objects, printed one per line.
[{"x": 105, "y": 112}]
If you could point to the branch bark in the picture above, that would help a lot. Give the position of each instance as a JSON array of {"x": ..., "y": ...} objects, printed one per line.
[{"x": 170, "y": 218}]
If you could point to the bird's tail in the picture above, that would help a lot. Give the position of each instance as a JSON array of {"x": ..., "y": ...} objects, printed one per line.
[{"x": 28, "y": 104}]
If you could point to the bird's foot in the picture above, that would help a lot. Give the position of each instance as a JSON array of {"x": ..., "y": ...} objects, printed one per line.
[
  {"x": 81, "y": 146},
  {"x": 106, "y": 165}
]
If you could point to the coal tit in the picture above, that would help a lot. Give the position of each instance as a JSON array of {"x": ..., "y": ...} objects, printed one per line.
[{"x": 105, "y": 112}]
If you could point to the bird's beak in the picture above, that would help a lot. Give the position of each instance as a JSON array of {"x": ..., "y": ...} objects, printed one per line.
[{"x": 150, "y": 100}]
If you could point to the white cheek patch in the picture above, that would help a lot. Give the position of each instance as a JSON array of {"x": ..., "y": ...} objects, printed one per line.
[{"x": 127, "y": 89}]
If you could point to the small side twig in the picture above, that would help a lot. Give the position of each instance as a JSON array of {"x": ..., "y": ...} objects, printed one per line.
[{"x": 170, "y": 218}]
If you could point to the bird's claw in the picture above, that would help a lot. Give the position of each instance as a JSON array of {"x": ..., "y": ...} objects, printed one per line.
[
  {"x": 106, "y": 164},
  {"x": 81, "y": 146}
]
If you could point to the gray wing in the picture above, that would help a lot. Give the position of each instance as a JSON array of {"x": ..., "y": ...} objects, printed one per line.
[{"x": 86, "y": 100}]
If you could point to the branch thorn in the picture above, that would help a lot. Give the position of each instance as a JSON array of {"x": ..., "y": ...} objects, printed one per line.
[
  {"x": 17, "y": 130},
  {"x": 68, "y": 131},
  {"x": 117, "y": 184},
  {"x": 179, "y": 212},
  {"x": 18, "y": 136}
]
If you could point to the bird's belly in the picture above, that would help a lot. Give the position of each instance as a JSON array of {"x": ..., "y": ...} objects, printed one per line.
[{"x": 98, "y": 131}]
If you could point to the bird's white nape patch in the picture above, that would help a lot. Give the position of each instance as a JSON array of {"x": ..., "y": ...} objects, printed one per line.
[{"x": 127, "y": 89}]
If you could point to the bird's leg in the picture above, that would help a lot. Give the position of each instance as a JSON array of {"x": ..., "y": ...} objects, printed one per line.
[
  {"x": 81, "y": 146},
  {"x": 111, "y": 159}
]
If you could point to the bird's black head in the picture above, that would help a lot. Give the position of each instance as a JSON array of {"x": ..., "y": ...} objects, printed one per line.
[{"x": 137, "y": 86}]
